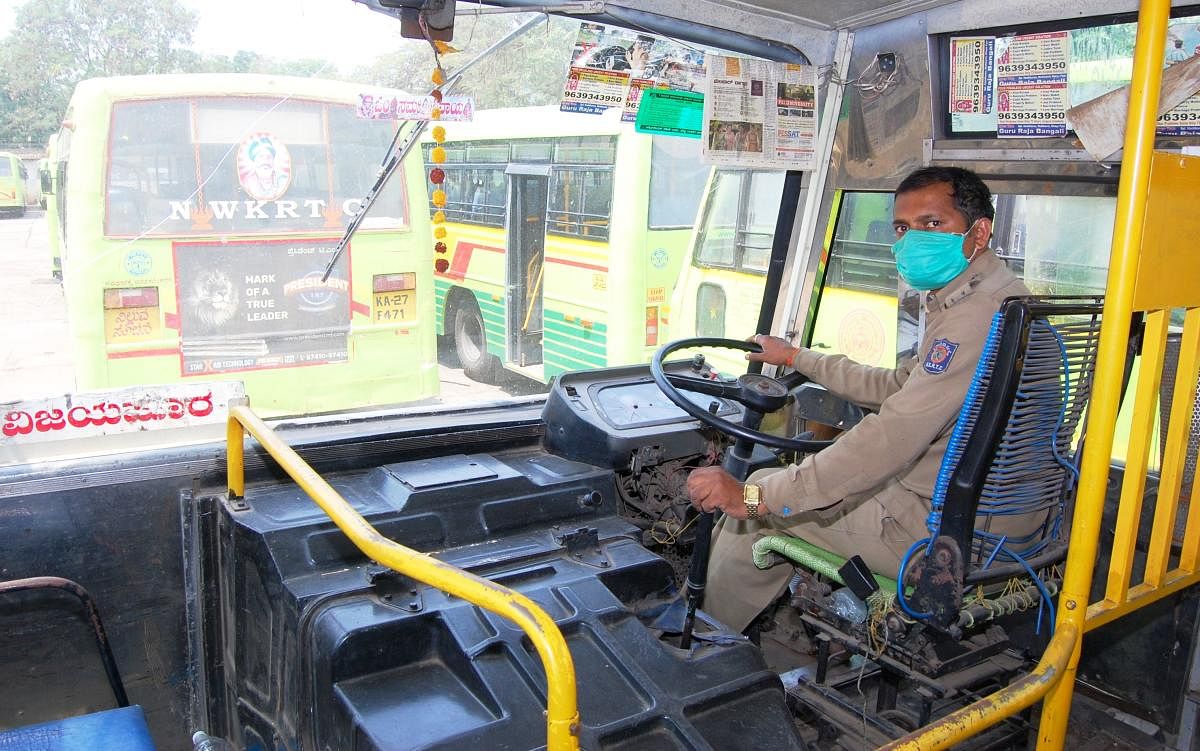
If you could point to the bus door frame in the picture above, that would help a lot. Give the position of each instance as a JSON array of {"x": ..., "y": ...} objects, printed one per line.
[{"x": 525, "y": 258}]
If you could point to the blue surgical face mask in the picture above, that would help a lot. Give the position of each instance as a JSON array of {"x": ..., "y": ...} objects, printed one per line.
[{"x": 930, "y": 260}]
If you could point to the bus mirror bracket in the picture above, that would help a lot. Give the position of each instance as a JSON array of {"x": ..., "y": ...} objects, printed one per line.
[{"x": 437, "y": 15}]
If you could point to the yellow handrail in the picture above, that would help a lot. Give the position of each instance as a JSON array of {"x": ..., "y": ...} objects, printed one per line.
[
  {"x": 1006, "y": 702},
  {"x": 1106, "y": 392},
  {"x": 562, "y": 714},
  {"x": 1054, "y": 677}
]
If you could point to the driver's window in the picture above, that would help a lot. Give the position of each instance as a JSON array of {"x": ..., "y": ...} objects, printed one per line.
[{"x": 858, "y": 313}]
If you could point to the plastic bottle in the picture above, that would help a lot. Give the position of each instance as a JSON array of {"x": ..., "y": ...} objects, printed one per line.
[
  {"x": 202, "y": 741},
  {"x": 847, "y": 605}
]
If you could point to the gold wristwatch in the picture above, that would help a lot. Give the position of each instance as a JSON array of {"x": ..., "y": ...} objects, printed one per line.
[{"x": 752, "y": 497}]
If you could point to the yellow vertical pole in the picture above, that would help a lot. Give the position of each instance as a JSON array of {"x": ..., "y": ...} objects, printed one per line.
[
  {"x": 235, "y": 464},
  {"x": 1118, "y": 306}
]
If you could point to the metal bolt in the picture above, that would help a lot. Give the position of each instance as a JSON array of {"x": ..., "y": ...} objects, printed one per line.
[{"x": 1070, "y": 604}]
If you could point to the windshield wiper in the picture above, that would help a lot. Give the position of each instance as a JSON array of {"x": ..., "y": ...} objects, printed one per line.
[{"x": 398, "y": 149}]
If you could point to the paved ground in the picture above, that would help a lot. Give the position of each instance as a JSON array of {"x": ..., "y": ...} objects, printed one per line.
[{"x": 35, "y": 357}]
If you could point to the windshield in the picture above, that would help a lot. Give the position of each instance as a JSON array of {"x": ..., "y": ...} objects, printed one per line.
[{"x": 198, "y": 183}]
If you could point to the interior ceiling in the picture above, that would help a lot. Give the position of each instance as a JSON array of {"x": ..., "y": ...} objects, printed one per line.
[{"x": 821, "y": 14}]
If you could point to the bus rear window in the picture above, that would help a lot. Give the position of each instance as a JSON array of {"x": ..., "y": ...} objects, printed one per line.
[{"x": 246, "y": 165}]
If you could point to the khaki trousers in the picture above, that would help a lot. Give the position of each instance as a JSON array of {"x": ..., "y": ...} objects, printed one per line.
[{"x": 880, "y": 527}]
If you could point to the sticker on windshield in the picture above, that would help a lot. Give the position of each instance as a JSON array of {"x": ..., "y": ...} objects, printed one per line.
[{"x": 264, "y": 167}]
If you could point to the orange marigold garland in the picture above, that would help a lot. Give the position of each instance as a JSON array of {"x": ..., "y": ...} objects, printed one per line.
[
  {"x": 437, "y": 176},
  {"x": 437, "y": 155}
]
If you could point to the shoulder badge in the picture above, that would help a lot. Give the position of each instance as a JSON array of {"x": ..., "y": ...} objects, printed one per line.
[{"x": 940, "y": 355}]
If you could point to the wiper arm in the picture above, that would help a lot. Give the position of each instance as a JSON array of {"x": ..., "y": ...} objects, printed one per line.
[{"x": 399, "y": 149}]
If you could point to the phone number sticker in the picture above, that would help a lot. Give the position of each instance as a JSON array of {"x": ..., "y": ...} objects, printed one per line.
[
  {"x": 592, "y": 91},
  {"x": 1032, "y": 111},
  {"x": 1184, "y": 120}
]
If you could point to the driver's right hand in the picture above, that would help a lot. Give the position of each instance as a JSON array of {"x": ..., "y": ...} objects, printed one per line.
[{"x": 775, "y": 351}]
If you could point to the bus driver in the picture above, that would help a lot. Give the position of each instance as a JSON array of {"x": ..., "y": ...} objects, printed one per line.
[{"x": 869, "y": 493}]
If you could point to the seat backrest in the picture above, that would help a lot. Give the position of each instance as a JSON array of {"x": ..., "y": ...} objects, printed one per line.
[{"x": 1011, "y": 463}]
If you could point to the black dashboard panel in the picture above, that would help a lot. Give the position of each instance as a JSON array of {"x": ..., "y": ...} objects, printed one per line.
[{"x": 602, "y": 416}]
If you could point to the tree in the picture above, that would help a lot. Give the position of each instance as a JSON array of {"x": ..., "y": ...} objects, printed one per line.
[
  {"x": 55, "y": 44},
  {"x": 529, "y": 71}
]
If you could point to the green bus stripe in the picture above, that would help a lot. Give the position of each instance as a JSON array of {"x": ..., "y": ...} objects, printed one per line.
[
  {"x": 598, "y": 326},
  {"x": 570, "y": 348},
  {"x": 564, "y": 361},
  {"x": 595, "y": 344},
  {"x": 596, "y": 329},
  {"x": 487, "y": 306},
  {"x": 576, "y": 332}
]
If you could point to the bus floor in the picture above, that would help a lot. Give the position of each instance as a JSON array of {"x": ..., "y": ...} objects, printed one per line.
[{"x": 1093, "y": 725}]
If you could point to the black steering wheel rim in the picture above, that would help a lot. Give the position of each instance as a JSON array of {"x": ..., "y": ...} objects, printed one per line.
[{"x": 672, "y": 392}]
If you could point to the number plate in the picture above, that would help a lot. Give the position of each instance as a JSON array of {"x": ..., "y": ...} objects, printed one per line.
[
  {"x": 395, "y": 307},
  {"x": 131, "y": 325}
]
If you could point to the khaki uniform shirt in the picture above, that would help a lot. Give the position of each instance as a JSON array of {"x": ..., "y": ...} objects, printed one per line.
[{"x": 918, "y": 402}]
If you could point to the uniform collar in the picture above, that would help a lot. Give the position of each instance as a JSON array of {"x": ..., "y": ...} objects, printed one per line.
[{"x": 983, "y": 267}]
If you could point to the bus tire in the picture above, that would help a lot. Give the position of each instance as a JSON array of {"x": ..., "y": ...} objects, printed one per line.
[{"x": 470, "y": 343}]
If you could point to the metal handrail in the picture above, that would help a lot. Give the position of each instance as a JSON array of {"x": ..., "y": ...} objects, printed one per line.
[
  {"x": 562, "y": 713},
  {"x": 970, "y": 720},
  {"x": 1054, "y": 678}
]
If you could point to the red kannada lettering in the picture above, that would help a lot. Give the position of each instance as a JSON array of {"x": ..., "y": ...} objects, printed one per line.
[
  {"x": 200, "y": 411},
  {"x": 17, "y": 423},
  {"x": 49, "y": 420}
]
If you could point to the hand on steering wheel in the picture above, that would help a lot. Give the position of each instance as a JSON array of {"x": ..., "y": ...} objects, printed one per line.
[
  {"x": 759, "y": 394},
  {"x": 775, "y": 351}
]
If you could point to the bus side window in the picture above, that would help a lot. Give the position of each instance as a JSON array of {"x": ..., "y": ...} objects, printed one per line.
[
  {"x": 580, "y": 202},
  {"x": 676, "y": 182},
  {"x": 718, "y": 244},
  {"x": 758, "y": 230}
]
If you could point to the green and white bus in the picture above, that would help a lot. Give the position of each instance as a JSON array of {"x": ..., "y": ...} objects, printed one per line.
[
  {"x": 12, "y": 184},
  {"x": 51, "y": 198},
  {"x": 548, "y": 267},
  {"x": 197, "y": 214}
]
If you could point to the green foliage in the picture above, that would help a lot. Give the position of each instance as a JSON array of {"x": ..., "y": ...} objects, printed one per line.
[
  {"x": 1111, "y": 42},
  {"x": 57, "y": 43},
  {"x": 529, "y": 71},
  {"x": 54, "y": 44}
]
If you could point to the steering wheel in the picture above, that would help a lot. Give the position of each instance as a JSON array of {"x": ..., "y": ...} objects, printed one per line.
[{"x": 758, "y": 393}]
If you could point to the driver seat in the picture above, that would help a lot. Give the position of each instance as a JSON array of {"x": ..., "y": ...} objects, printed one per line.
[{"x": 1014, "y": 451}]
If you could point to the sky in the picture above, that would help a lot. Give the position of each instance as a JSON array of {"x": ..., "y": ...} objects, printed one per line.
[
  {"x": 348, "y": 31},
  {"x": 343, "y": 30}
]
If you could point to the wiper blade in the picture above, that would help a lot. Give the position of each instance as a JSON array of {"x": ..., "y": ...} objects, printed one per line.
[{"x": 400, "y": 148}]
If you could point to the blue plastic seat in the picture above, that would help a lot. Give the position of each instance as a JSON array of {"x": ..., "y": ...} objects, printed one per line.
[{"x": 124, "y": 729}]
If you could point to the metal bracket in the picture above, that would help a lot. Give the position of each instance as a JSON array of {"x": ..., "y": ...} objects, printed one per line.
[
  {"x": 396, "y": 590},
  {"x": 583, "y": 544},
  {"x": 237, "y": 503},
  {"x": 933, "y": 151}
]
